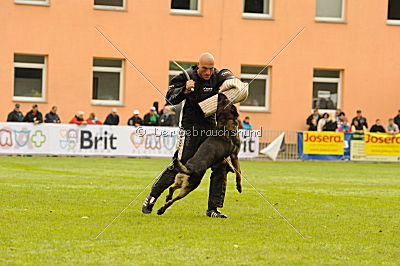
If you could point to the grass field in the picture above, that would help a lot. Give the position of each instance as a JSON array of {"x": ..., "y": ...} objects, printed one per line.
[{"x": 351, "y": 211}]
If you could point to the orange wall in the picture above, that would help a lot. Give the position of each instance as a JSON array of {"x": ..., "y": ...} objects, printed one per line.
[{"x": 364, "y": 47}]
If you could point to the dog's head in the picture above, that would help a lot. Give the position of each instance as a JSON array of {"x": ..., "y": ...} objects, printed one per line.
[{"x": 226, "y": 110}]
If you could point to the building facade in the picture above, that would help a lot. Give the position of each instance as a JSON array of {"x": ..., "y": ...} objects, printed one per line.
[{"x": 57, "y": 53}]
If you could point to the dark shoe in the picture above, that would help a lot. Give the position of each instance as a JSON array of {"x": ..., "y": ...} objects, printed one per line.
[
  {"x": 215, "y": 214},
  {"x": 148, "y": 204}
]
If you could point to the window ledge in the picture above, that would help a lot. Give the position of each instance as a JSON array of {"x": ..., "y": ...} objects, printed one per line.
[
  {"x": 28, "y": 99},
  {"x": 106, "y": 103},
  {"x": 185, "y": 12},
  {"x": 257, "y": 16},
  {"x": 30, "y": 3},
  {"x": 331, "y": 20},
  {"x": 393, "y": 22},
  {"x": 254, "y": 109},
  {"x": 110, "y": 8}
]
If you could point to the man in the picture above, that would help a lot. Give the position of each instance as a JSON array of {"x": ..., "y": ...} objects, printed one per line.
[
  {"x": 392, "y": 128},
  {"x": 151, "y": 118},
  {"x": 15, "y": 115},
  {"x": 167, "y": 117},
  {"x": 362, "y": 121},
  {"x": 312, "y": 120},
  {"x": 135, "y": 120},
  {"x": 34, "y": 115},
  {"x": 205, "y": 82},
  {"x": 52, "y": 116},
  {"x": 397, "y": 119},
  {"x": 113, "y": 118},
  {"x": 246, "y": 123},
  {"x": 378, "y": 128}
]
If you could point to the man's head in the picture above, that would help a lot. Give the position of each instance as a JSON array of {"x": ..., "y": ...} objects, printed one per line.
[
  {"x": 378, "y": 122},
  {"x": 338, "y": 111},
  {"x": 92, "y": 116},
  {"x": 359, "y": 113},
  {"x": 316, "y": 112},
  {"x": 246, "y": 119},
  {"x": 206, "y": 66},
  {"x": 35, "y": 108},
  {"x": 391, "y": 121},
  {"x": 114, "y": 111},
  {"x": 54, "y": 109},
  {"x": 17, "y": 106},
  {"x": 152, "y": 110},
  {"x": 80, "y": 114},
  {"x": 136, "y": 113}
]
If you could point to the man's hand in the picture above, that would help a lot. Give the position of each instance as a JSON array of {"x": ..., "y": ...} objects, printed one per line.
[{"x": 189, "y": 86}]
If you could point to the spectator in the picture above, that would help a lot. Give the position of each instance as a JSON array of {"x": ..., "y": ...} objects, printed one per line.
[
  {"x": 240, "y": 125},
  {"x": 345, "y": 126},
  {"x": 135, "y": 120},
  {"x": 361, "y": 120},
  {"x": 357, "y": 128},
  {"x": 312, "y": 120},
  {"x": 397, "y": 119},
  {"x": 168, "y": 116},
  {"x": 322, "y": 121},
  {"x": 78, "y": 119},
  {"x": 52, "y": 116},
  {"x": 151, "y": 118},
  {"x": 92, "y": 120},
  {"x": 246, "y": 124},
  {"x": 340, "y": 119},
  {"x": 338, "y": 113},
  {"x": 34, "y": 115},
  {"x": 113, "y": 118},
  {"x": 378, "y": 128},
  {"x": 15, "y": 115},
  {"x": 392, "y": 128}
]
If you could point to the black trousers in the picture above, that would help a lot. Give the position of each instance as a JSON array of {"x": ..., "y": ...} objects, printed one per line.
[{"x": 186, "y": 148}]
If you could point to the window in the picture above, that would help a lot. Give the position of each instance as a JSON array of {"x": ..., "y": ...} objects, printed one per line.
[
  {"x": 185, "y": 7},
  {"x": 110, "y": 4},
  {"x": 258, "y": 89},
  {"x": 394, "y": 12},
  {"x": 330, "y": 10},
  {"x": 107, "y": 81},
  {"x": 174, "y": 70},
  {"x": 257, "y": 8},
  {"x": 29, "y": 78},
  {"x": 326, "y": 89},
  {"x": 33, "y": 2}
]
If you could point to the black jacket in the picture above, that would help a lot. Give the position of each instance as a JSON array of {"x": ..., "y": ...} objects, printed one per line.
[
  {"x": 311, "y": 126},
  {"x": 51, "y": 117},
  {"x": 397, "y": 120},
  {"x": 112, "y": 120},
  {"x": 362, "y": 121},
  {"x": 193, "y": 116},
  {"x": 30, "y": 117},
  {"x": 147, "y": 122},
  {"x": 167, "y": 120},
  {"x": 15, "y": 116},
  {"x": 376, "y": 128},
  {"x": 135, "y": 120}
]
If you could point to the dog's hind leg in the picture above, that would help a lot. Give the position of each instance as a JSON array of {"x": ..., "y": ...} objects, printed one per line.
[{"x": 185, "y": 189}]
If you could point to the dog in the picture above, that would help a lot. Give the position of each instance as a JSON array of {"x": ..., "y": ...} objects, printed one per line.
[{"x": 214, "y": 150}]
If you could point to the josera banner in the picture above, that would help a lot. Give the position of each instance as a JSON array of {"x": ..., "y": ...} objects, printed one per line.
[
  {"x": 100, "y": 140},
  {"x": 358, "y": 153},
  {"x": 382, "y": 144},
  {"x": 314, "y": 145}
]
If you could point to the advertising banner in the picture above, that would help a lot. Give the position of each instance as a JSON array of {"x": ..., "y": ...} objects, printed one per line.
[
  {"x": 100, "y": 140},
  {"x": 382, "y": 144},
  {"x": 313, "y": 145},
  {"x": 358, "y": 151}
]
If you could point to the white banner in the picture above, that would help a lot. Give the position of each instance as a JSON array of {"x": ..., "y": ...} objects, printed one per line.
[{"x": 100, "y": 140}]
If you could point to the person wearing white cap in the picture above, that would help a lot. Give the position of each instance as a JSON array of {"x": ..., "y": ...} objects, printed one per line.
[
  {"x": 113, "y": 118},
  {"x": 135, "y": 120},
  {"x": 198, "y": 97},
  {"x": 151, "y": 118}
]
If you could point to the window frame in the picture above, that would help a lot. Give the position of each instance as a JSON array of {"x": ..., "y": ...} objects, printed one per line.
[
  {"x": 265, "y": 77},
  {"x": 395, "y": 22},
  {"x": 34, "y": 3},
  {"x": 342, "y": 19},
  {"x": 338, "y": 80},
  {"x": 188, "y": 12},
  {"x": 119, "y": 70},
  {"x": 44, "y": 80},
  {"x": 258, "y": 15},
  {"x": 111, "y": 8}
]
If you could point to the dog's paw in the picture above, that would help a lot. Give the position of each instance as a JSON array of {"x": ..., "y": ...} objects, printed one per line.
[
  {"x": 160, "y": 211},
  {"x": 239, "y": 188},
  {"x": 168, "y": 198}
]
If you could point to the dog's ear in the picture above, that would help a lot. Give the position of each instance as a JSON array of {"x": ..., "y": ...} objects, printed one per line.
[{"x": 221, "y": 97}]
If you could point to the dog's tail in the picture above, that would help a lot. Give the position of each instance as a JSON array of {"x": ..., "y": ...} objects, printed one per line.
[{"x": 180, "y": 167}]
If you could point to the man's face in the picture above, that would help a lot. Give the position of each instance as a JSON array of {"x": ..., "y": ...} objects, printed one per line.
[
  {"x": 359, "y": 115},
  {"x": 152, "y": 112},
  {"x": 54, "y": 110},
  {"x": 35, "y": 109},
  {"x": 391, "y": 122},
  {"x": 206, "y": 69},
  {"x": 378, "y": 122}
]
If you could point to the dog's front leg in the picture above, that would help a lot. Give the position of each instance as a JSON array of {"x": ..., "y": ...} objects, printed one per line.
[{"x": 235, "y": 163}]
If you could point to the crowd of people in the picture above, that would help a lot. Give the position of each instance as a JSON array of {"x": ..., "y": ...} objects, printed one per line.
[
  {"x": 359, "y": 124},
  {"x": 168, "y": 116}
]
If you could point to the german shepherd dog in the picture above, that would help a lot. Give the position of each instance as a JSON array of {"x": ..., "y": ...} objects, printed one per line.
[{"x": 214, "y": 150}]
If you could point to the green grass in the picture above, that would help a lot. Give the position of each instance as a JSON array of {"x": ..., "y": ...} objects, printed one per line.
[{"x": 351, "y": 211}]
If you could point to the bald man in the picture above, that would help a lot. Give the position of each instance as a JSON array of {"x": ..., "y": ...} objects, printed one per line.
[{"x": 204, "y": 82}]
